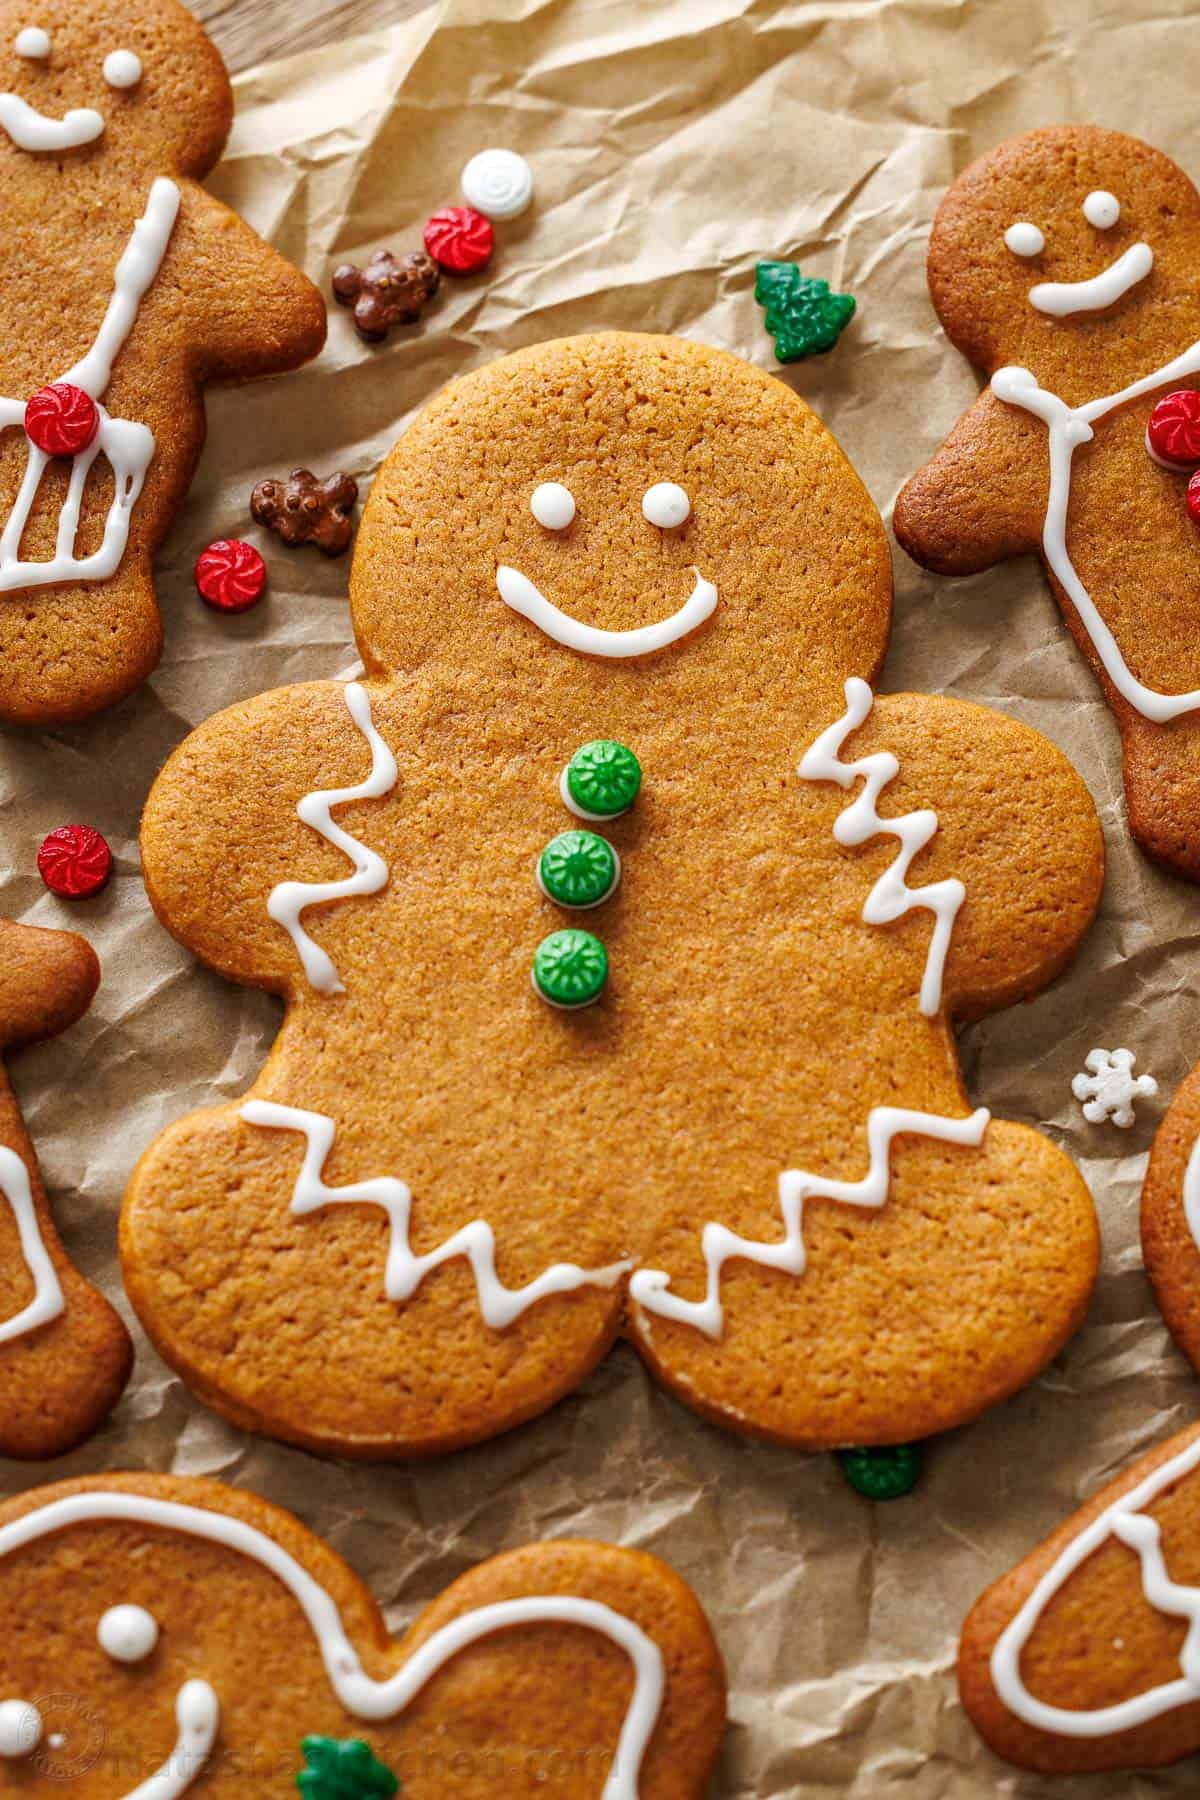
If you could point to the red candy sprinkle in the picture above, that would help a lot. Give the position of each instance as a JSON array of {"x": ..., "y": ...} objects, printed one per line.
[
  {"x": 74, "y": 862},
  {"x": 61, "y": 419},
  {"x": 230, "y": 575},
  {"x": 460, "y": 239},
  {"x": 1174, "y": 429}
]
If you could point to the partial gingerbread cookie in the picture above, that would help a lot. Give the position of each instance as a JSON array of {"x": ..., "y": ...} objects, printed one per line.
[
  {"x": 1171, "y": 1218},
  {"x": 619, "y": 599},
  {"x": 567, "y": 1667},
  {"x": 1078, "y": 1660},
  {"x": 1066, "y": 265},
  {"x": 64, "y": 1353},
  {"x": 129, "y": 288}
]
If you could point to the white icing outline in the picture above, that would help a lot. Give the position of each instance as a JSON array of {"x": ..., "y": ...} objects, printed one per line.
[
  {"x": 1067, "y": 428},
  {"x": 197, "y": 1717},
  {"x": 38, "y": 133},
  {"x": 128, "y": 446},
  {"x": 288, "y": 899},
  {"x": 1191, "y": 1193},
  {"x": 476, "y": 1242},
  {"x": 891, "y": 897},
  {"x": 48, "y": 1301},
  {"x": 516, "y": 590},
  {"x": 648, "y": 1287},
  {"x": 1060, "y": 299},
  {"x": 358, "y": 1692},
  {"x": 1124, "y": 1520}
]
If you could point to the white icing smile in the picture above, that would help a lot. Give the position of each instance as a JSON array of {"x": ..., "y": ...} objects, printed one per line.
[
  {"x": 517, "y": 591},
  {"x": 1061, "y": 298},
  {"x": 30, "y": 129}
]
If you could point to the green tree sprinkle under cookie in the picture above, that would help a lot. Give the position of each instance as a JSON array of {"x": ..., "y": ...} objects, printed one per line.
[
  {"x": 804, "y": 316},
  {"x": 885, "y": 1473},
  {"x": 344, "y": 1769}
]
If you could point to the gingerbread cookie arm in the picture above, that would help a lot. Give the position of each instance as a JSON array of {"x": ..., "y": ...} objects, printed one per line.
[
  {"x": 254, "y": 313},
  {"x": 231, "y": 867},
  {"x": 65, "y": 1355},
  {"x": 982, "y": 498}
]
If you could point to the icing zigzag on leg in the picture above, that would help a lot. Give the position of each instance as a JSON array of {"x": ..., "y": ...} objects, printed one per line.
[
  {"x": 499, "y": 1305},
  {"x": 891, "y": 897},
  {"x": 720, "y": 1245}
]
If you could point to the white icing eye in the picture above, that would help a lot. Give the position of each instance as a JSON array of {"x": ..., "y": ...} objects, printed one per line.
[
  {"x": 34, "y": 43},
  {"x": 122, "y": 69},
  {"x": 666, "y": 504},
  {"x": 127, "y": 1633},
  {"x": 1102, "y": 210},
  {"x": 1024, "y": 239},
  {"x": 20, "y": 1728},
  {"x": 552, "y": 505}
]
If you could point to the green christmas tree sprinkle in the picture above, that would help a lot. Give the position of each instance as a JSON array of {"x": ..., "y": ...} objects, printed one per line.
[
  {"x": 886, "y": 1473},
  {"x": 344, "y": 1769},
  {"x": 803, "y": 315}
]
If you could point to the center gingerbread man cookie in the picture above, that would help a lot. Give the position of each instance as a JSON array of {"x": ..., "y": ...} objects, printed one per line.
[
  {"x": 127, "y": 289},
  {"x": 1064, "y": 264},
  {"x": 446, "y": 1196}
]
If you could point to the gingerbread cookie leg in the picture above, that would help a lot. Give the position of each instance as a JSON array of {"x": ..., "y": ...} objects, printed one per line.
[
  {"x": 64, "y": 1353},
  {"x": 573, "y": 1663}
]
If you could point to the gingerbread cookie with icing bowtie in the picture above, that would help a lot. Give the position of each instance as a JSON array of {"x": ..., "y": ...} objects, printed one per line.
[
  {"x": 64, "y": 1353},
  {"x": 619, "y": 599},
  {"x": 128, "y": 289},
  {"x": 571, "y": 1666},
  {"x": 1064, "y": 265},
  {"x": 1087, "y": 1655}
]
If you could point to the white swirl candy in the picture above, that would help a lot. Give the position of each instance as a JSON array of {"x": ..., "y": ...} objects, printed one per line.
[{"x": 498, "y": 183}]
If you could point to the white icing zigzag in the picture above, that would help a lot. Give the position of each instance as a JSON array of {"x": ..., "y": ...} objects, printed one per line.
[
  {"x": 720, "y": 1245},
  {"x": 289, "y": 899},
  {"x": 891, "y": 897},
  {"x": 499, "y": 1305},
  {"x": 358, "y": 1692},
  {"x": 47, "y": 1300}
]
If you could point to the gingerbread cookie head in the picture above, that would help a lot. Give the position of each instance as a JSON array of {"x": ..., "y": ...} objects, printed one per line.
[
  {"x": 570, "y": 1665},
  {"x": 64, "y": 1353},
  {"x": 589, "y": 990},
  {"x": 139, "y": 86},
  {"x": 1070, "y": 251},
  {"x": 134, "y": 288}
]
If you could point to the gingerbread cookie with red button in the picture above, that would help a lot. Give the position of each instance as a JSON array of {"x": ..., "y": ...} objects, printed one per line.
[
  {"x": 1064, "y": 265},
  {"x": 64, "y": 1353},
  {"x": 570, "y": 1668},
  {"x": 613, "y": 1003},
  {"x": 130, "y": 288}
]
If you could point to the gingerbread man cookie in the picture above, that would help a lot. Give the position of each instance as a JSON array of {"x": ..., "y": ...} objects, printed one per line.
[
  {"x": 1064, "y": 265},
  {"x": 180, "y": 1634},
  {"x": 618, "y": 599},
  {"x": 129, "y": 288},
  {"x": 1171, "y": 1218},
  {"x": 64, "y": 1353},
  {"x": 1085, "y": 1656}
]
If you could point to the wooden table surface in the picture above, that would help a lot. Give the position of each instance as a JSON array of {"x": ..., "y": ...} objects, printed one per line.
[{"x": 250, "y": 31}]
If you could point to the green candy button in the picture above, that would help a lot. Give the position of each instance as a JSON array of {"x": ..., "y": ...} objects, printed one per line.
[
  {"x": 601, "y": 780},
  {"x": 886, "y": 1473},
  {"x": 570, "y": 968},
  {"x": 344, "y": 1769},
  {"x": 579, "y": 869}
]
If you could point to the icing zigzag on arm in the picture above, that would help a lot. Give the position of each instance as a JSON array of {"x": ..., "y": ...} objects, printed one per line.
[
  {"x": 498, "y": 1305},
  {"x": 649, "y": 1287},
  {"x": 891, "y": 897},
  {"x": 288, "y": 899}
]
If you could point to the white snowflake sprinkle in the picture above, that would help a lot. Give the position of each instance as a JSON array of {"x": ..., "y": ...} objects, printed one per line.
[{"x": 1111, "y": 1089}]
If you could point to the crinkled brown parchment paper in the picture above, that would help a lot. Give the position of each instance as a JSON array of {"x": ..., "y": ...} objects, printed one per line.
[{"x": 674, "y": 143}]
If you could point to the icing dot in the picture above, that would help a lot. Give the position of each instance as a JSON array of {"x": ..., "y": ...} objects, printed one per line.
[
  {"x": 122, "y": 69},
  {"x": 20, "y": 1728},
  {"x": 34, "y": 43},
  {"x": 498, "y": 183},
  {"x": 1024, "y": 239},
  {"x": 127, "y": 1633},
  {"x": 666, "y": 504},
  {"x": 1102, "y": 210},
  {"x": 552, "y": 505}
]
